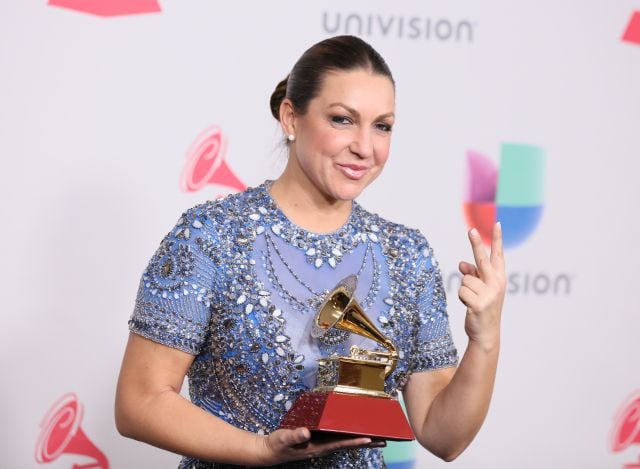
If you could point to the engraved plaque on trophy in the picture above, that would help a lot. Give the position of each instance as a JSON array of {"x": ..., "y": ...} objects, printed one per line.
[{"x": 349, "y": 396}]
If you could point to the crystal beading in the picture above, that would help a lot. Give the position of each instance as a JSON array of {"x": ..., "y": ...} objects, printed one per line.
[{"x": 209, "y": 290}]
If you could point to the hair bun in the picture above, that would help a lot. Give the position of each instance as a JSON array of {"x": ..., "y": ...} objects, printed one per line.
[{"x": 277, "y": 96}]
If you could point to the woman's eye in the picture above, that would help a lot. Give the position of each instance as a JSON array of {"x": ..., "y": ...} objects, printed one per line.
[
  {"x": 384, "y": 127},
  {"x": 340, "y": 120}
]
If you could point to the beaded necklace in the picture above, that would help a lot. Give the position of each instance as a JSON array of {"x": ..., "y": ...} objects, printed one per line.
[{"x": 334, "y": 337}]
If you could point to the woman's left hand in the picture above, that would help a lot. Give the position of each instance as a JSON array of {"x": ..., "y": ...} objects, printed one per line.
[{"x": 483, "y": 288}]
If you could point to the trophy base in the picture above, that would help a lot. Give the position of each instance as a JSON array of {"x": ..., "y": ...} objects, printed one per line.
[{"x": 351, "y": 414}]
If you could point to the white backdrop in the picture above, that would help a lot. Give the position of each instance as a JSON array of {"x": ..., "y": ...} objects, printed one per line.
[{"x": 97, "y": 114}]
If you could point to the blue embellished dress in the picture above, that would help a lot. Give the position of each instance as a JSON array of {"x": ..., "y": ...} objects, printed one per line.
[{"x": 237, "y": 284}]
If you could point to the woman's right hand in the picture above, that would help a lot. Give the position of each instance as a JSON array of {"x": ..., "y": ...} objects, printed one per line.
[
  {"x": 149, "y": 408},
  {"x": 294, "y": 445}
]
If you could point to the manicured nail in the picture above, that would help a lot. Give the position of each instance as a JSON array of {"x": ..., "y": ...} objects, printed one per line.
[
  {"x": 474, "y": 232},
  {"x": 499, "y": 225}
]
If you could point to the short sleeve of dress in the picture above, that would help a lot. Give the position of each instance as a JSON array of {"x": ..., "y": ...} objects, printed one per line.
[
  {"x": 173, "y": 304},
  {"x": 434, "y": 347}
]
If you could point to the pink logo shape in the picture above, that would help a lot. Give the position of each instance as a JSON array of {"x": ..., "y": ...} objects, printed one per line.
[
  {"x": 206, "y": 163},
  {"x": 61, "y": 433},
  {"x": 632, "y": 33},
  {"x": 109, "y": 7},
  {"x": 626, "y": 427}
]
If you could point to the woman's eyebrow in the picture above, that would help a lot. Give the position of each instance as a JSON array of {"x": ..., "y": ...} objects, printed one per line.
[{"x": 357, "y": 114}]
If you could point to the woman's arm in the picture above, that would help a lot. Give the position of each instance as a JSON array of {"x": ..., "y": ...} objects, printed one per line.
[
  {"x": 149, "y": 408},
  {"x": 447, "y": 407}
]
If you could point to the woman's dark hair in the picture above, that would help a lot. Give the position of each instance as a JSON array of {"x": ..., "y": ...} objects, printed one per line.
[{"x": 340, "y": 53}]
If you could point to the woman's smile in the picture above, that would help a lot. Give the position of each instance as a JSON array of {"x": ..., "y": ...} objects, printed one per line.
[{"x": 353, "y": 171}]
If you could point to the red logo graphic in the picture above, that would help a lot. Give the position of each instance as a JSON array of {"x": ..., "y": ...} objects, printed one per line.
[
  {"x": 632, "y": 33},
  {"x": 109, "y": 7},
  {"x": 206, "y": 163},
  {"x": 61, "y": 433},
  {"x": 626, "y": 427}
]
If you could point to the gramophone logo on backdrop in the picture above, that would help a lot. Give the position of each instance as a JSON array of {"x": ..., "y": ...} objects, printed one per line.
[
  {"x": 513, "y": 194},
  {"x": 626, "y": 428},
  {"x": 632, "y": 32},
  {"x": 61, "y": 434},
  {"x": 206, "y": 163},
  {"x": 109, "y": 7}
]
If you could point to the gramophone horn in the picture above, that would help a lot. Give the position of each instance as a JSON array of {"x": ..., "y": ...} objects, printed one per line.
[
  {"x": 206, "y": 163},
  {"x": 110, "y": 8},
  {"x": 341, "y": 310},
  {"x": 61, "y": 434},
  {"x": 626, "y": 429}
]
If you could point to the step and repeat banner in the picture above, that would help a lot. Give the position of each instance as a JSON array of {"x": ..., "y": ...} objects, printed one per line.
[{"x": 116, "y": 116}]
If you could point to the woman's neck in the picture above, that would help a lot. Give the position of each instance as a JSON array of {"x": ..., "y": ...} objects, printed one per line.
[{"x": 306, "y": 206}]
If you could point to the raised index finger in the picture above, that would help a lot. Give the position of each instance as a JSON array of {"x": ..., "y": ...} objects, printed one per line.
[
  {"x": 497, "y": 253},
  {"x": 479, "y": 253}
]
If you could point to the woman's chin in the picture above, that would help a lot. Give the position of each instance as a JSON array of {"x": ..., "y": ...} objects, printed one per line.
[{"x": 348, "y": 192}]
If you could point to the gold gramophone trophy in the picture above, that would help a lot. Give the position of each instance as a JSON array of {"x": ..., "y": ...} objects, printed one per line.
[{"x": 349, "y": 396}]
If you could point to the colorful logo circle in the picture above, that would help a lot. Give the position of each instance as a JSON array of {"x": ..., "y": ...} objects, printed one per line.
[{"x": 512, "y": 195}]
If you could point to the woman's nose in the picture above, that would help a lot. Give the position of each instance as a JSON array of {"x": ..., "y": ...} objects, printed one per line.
[{"x": 362, "y": 144}]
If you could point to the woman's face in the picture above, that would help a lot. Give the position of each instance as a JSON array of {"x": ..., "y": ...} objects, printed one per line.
[{"x": 342, "y": 141}]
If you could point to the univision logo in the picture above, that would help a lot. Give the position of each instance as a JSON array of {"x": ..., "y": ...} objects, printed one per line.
[
  {"x": 512, "y": 194},
  {"x": 415, "y": 27}
]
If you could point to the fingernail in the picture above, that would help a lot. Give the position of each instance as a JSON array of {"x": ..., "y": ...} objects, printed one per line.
[
  {"x": 499, "y": 225},
  {"x": 473, "y": 232}
]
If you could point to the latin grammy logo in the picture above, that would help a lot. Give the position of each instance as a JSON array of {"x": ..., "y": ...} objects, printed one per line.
[
  {"x": 626, "y": 428},
  {"x": 206, "y": 163},
  {"x": 61, "y": 434},
  {"x": 109, "y": 7},
  {"x": 632, "y": 31}
]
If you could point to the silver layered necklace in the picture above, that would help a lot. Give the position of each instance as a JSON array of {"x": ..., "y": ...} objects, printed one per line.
[{"x": 316, "y": 297}]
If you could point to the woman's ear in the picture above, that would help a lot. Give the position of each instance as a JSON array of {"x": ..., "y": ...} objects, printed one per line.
[{"x": 287, "y": 117}]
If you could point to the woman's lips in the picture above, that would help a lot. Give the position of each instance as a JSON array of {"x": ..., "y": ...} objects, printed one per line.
[{"x": 353, "y": 171}]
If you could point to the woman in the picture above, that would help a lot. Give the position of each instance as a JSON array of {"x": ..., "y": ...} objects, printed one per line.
[{"x": 229, "y": 297}]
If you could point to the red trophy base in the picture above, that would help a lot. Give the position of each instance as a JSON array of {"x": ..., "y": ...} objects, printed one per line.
[{"x": 334, "y": 412}]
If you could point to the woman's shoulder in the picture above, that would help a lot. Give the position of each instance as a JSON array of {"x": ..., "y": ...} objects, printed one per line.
[
  {"x": 222, "y": 211},
  {"x": 393, "y": 234}
]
